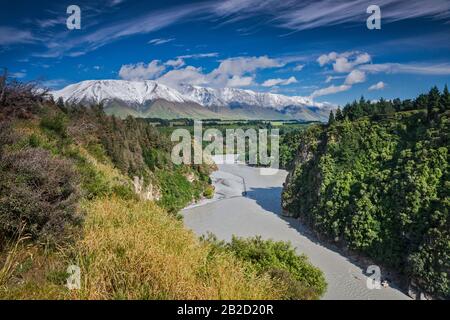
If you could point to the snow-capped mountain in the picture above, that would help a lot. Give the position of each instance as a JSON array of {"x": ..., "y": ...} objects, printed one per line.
[
  {"x": 153, "y": 99},
  {"x": 137, "y": 92},
  {"x": 230, "y": 96}
]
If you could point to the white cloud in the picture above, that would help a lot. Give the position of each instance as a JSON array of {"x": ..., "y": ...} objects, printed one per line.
[
  {"x": 113, "y": 3},
  {"x": 424, "y": 69},
  {"x": 299, "y": 67},
  {"x": 326, "y": 58},
  {"x": 242, "y": 65},
  {"x": 331, "y": 78},
  {"x": 187, "y": 75},
  {"x": 176, "y": 63},
  {"x": 199, "y": 55},
  {"x": 141, "y": 71},
  {"x": 293, "y": 15},
  {"x": 378, "y": 86},
  {"x": 55, "y": 83},
  {"x": 330, "y": 90},
  {"x": 279, "y": 82},
  {"x": 157, "y": 42},
  {"x": 231, "y": 72},
  {"x": 19, "y": 74},
  {"x": 238, "y": 81},
  {"x": 9, "y": 36},
  {"x": 344, "y": 62},
  {"x": 310, "y": 14},
  {"x": 354, "y": 77}
]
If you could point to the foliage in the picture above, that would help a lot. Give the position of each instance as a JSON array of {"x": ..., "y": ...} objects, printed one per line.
[
  {"x": 19, "y": 100},
  {"x": 380, "y": 185},
  {"x": 39, "y": 195},
  {"x": 278, "y": 259}
]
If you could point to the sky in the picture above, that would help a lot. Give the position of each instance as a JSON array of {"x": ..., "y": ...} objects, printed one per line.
[{"x": 321, "y": 49}]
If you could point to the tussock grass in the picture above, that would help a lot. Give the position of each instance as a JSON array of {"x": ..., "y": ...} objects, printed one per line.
[{"x": 135, "y": 250}]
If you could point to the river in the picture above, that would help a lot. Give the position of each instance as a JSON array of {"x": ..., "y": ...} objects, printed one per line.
[{"x": 247, "y": 203}]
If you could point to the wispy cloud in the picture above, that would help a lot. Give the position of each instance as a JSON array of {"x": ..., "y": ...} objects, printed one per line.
[
  {"x": 10, "y": 36},
  {"x": 330, "y": 90},
  {"x": 412, "y": 68},
  {"x": 377, "y": 86},
  {"x": 157, "y": 42},
  {"x": 153, "y": 21},
  {"x": 55, "y": 83},
  {"x": 309, "y": 14},
  {"x": 279, "y": 82},
  {"x": 19, "y": 74},
  {"x": 199, "y": 55},
  {"x": 290, "y": 14}
]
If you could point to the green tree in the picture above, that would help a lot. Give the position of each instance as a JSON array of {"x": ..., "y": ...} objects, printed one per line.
[
  {"x": 339, "y": 116},
  {"x": 331, "y": 119},
  {"x": 445, "y": 99},
  {"x": 434, "y": 98}
]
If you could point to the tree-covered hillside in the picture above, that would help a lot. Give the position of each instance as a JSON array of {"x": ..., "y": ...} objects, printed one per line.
[{"x": 376, "y": 179}]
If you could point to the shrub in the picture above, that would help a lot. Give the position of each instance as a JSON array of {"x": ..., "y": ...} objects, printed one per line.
[
  {"x": 56, "y": 123},
  {"x": 209, "y": 192},
  {"x": 300, "y": 279},
  {"x": 19, "y": 99},
  {"x": 176, "y": 190},
  {"x": 38, "y": 194}
]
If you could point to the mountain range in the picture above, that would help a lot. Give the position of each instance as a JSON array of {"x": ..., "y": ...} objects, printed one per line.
[{"x": 153, "y": 99}]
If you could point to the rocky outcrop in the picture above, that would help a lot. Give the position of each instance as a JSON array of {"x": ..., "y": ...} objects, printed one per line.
[{"x": 148, "y": 193}]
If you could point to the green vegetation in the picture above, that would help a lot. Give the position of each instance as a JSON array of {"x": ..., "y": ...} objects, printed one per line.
[
  {"x": 376, "y": 179},
  {"x": 289, "y": 131},
  {"x": 278, "y": 259},
  {"x": 79, "y": 187}
]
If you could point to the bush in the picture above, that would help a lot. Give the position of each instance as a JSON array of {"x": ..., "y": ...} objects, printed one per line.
[
  {"x": 38, "y": 194},
  {"x": 300, "y": 279},
  {"x": 56, "y": 123},
  {"x": 176, "y": 190},
  {"x": 209, "y": 192},
  {"x": 20, "y": 100}
]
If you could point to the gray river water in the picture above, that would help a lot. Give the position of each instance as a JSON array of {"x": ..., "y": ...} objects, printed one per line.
[{"x": 247, "y": 203}]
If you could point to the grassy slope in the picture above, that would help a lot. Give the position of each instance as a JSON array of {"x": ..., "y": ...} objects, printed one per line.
[{"x": 126, "y": 248}]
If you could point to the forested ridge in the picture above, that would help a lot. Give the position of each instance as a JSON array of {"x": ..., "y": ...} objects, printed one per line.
[{"x": 375, "y": 179}]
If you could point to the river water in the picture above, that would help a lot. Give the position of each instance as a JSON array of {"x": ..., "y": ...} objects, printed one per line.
[{"x": 247, "y": 203}]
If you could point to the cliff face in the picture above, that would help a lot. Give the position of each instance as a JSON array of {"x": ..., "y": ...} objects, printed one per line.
[
  {"x": 305, "y": 157},
  {"x": 379, "y": 186}
]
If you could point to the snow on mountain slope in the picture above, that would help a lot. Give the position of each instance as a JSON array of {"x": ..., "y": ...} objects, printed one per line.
[
  {"x": 141, "y": 91},
  {"x": 128, "y": 91},
  {"x": 229, "y": 96}
]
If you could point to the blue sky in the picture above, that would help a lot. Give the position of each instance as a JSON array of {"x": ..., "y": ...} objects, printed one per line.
[{"x": 320, "y": 49}]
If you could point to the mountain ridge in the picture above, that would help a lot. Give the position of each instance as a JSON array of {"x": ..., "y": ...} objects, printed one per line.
[{"x": 146, "y": 99}]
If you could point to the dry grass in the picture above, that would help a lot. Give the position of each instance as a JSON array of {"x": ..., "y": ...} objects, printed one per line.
[
  {"x": 134, "y": 250},
  {"x": 128, "y": 249},
  {"x": 10, "y": 262}
]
